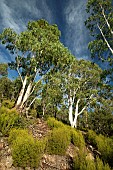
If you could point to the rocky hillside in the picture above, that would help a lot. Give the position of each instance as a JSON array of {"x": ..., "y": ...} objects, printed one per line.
[
  {"x": 76, "y": 151},
  {"x": 48, "y": 162}
]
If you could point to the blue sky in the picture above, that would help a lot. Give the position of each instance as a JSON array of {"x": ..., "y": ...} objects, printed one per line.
[{"x": 69, "y": 15}]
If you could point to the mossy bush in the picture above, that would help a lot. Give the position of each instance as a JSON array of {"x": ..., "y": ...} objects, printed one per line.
[
  {"x": 103, "y": 144},
  {"x": 32, "y": 113},
  {"x": 81, "y": 162},
  {"x": 53, "y": 123},
  {"x": 8, "y": 119},
  {"x": 77, "y": 138},
  {"x": 100, "y": 165},
  {"x": 7, "y": 103},
  {"x": 14, "y": 133},
  {"x": 105, "y": 147},
  {"x": 26, "y": 151},
  {"x": 91, "y": 138},
  {"x": 58, "y": 141},
  {"x": 3, "y": 110}
]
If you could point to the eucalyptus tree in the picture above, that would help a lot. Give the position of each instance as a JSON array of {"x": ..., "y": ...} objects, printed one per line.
[
  {"x": 37, "y": 52},
  {"x": 100, "y": 25},
  {"x": 6, "y": 88},
  {"x": 3, "y": 69},
  {"x": 52, "y": 95},
  {"x": 101, "y": 117},
  {"x": 81, "y": 81}
]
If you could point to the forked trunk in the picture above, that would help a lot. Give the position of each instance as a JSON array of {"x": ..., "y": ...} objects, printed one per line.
[
  {"x": 19, "y": 100},
  {"x": 75, "y": 121},
  {"x": 27, "y": 93},
  {"x": 70, "y": 111},
  {"x": 76, "y": 115}
]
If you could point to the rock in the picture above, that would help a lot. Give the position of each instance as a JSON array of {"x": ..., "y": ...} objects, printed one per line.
[
  {"x": 9, "y": 151},
  {"x": 71, "y": 150},
  {"x": 51, "y": 162},
  {"x": 1, "y": 145},
  {"x": 90, "y": 156},
  {"x": 9, "y": 162}
]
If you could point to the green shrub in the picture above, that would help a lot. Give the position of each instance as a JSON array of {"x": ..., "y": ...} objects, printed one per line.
[
  {"x": 53, "y": 123},
  {"x": 105, "y": 147},
  {"x": 11, "y": 119},
  {"x": 14, "y": 133},
  {"x": 26, "y": 151},
  {"x": 8, "y": 120},
  {"x": 103, "y": 144},
  {"x": 77, "y": 138},
  {"x": 7, "y": 103},
  {"x": 33, "y": 113},
  {"x": 101, "y": 166},
  {"x": 91, "y": 137},
  {"x": 58, "y": 141},
  {"x": 3, "y": 110},
  {"x": 81, "y": 162}
]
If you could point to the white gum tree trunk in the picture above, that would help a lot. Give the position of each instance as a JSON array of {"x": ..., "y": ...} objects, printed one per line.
[
  {"x": 19, "y": 100},
  {"x": 71, "y": 111},
  {"x": 27, "y": 93},
  {"x": 76, "y": 115},
  {"x": 73, "y": 118}
]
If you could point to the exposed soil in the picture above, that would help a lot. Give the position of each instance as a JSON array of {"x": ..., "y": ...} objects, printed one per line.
[{"x": 49, "y": 162}]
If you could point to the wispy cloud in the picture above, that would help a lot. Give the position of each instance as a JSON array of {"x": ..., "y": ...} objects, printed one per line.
[
  {"x": 7, "y": 17},
  {"x": 76, "y": 35},
  {"x": 15, "y": 14}
]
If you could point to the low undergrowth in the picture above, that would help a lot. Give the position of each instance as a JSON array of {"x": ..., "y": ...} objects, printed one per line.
[{"x": 28, "y": 151}]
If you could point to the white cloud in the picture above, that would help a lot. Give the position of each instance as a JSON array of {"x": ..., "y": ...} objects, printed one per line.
[
  {"x": 76, "y": 34},
  {"x": 7, "y": 18},
  {"x": 16, "y": 13}
]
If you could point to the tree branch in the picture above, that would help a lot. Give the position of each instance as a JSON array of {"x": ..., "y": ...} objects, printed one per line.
[
  {"x": 36, "y": 85},
  {"x": 82, "y": 110},
  {"x": 76, "y": 110},
  {"x": 85, "y": 105},
  {"x": 103, "y": 13},
  {"x": 19, "y": 71},
  {"x": 105, "y": 39},
  {"x": 32, "y": 101},
  {"x": 19, "y": 74}
]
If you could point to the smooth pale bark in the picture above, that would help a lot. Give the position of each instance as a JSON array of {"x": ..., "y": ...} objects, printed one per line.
[
  {"x": 76, "y": 115},
  {"x": 20, "y": 75},
  {"x": 73, "y": 119},
  {"x": 19, "y": 100},
  {"x": 27, "y": 93},
  {"x": 71, "y": 110},
  {"x": 31, "y": 103},
  {"x": 106, "y": 20},
  {"x": 44, "y": 108},
  {"x": 108, "y": 45},
  {"x": 27, "y": 109}
]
